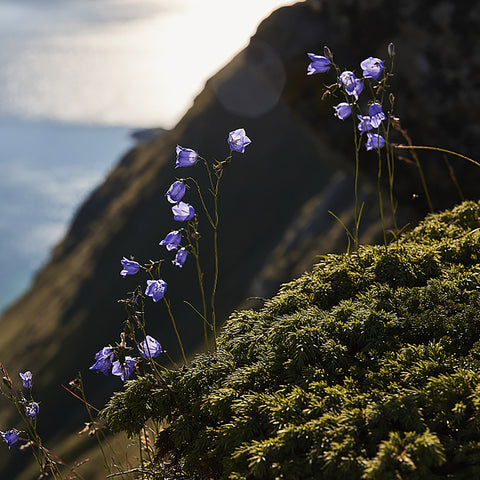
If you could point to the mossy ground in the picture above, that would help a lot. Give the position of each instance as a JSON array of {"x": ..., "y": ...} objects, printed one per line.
[{"x": 365, "y": 368}]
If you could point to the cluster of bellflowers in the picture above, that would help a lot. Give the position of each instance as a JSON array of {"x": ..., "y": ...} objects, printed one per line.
[
  {"x": 106, "y": 363},
  {"x": 29, "y": 406},
  {"x": 113, "y": 359},
  {"x": 351, "y": 86}
]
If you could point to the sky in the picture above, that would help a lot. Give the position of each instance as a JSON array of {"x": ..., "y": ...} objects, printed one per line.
[{"x": 117, "y": 62}]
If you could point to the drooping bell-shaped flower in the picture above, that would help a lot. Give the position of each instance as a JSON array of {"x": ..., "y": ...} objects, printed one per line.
[
  {"x": 342, "y": 110},
  {"x": 376, "y": 114},
  {"x": 26, "y": 379},
  {"x": 129, "y": 267},
  {"x": 176, "y": 192},
  {"x": 374, "y": 141},
  {"x": 180, "y": 257},
  {"x": 125, "y": 369},
  {"x": 238, "y": 140},
  {"x": 183, "y": 212},
  {"x": 172, "y": 240},
  {"x": 32, "y": 409},
  {"x": 353, "y": 85},
  {"x": 149, "y": 347},
  {"x": 319, "y": 64},
  {"x": 372, "y": 67},
  {"x": 10, "y": 437},
  {"x": 103, "y": 360},
  {"x": 364, "y": 124},
  {"x": 156, "y": 289},
  {"x": 186, "y": 157}
]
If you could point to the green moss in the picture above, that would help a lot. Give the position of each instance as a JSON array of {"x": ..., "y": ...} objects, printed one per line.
[{"x": 366, "y": 368}]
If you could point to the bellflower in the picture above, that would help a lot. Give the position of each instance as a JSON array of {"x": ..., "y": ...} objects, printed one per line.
[
  {"x": 319, "y": 64},
  {"x": 124, "y": 370},
  {"x": 186, "y": 157},
  {"x": 238, "y": 140},
  {"x": 365, "y": 123},
  {"x": 150, "y": 348},
  {"x": 376, "y": 114},
  {"x": 156, "y": 289},
  {"x": 104, "y": 359},
  {"x": 32, "y": 409},
  {"x": 26, "y": 379},
  {"x": 180, "y": 257},
  {"x": 374, "y": 141},
  {"x": 372, "y": 67},
  {"x": 172, "y": 240},
  {"x": 342, "y": 110},
  {"x": 10, "y": 437},
  {"x": 176, "y": 192},
  {"x": 129, "y": 267},
  {"x": 183, "y": 211},
  {"x": 353, "y": 86}
]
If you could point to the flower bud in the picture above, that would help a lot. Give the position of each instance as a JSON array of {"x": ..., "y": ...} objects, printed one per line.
[
  {"x": 327, "y": 52},
  {"x": 391, "y": 50}
]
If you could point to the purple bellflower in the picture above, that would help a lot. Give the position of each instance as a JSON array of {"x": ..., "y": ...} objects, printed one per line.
[
  {"x": 376, "y": 114},
  {"x": 238, "y": 140},
  {"x": 104, "y": 359},
  {"x": 172, "y": 240},
  {"x": 10, "y": 437},
  {"x": 176, "y": 192},
  {"x": 372, "y": 67},
  {"x": 183, "y": 211},
  {"x": 180, "y": 258},
  {"x": 129, "y": 267},
  {"x": 353, "y": 86},
  {"x": 26, "y": 379},
  {"x": 365, "y": 123},
  {"x": 156, "y": 289},
  {"x": 124, "y": 370},
  {"x": 342, "y": 110},
  {"x": 319, "y": 64},
  {"x": 150, "y": 347},
  {"x": 186, "y": 157},
  {"x": 374, "y": 141},
  {"x": 32, "y": 409}
]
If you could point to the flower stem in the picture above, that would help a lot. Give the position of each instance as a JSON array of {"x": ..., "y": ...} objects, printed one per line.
[
  {"x": 215, "y": 251},
  {"x": 412, "y": 149},
  {"x": 202, "y": 292},
  {"x": 172, "y": 318}
]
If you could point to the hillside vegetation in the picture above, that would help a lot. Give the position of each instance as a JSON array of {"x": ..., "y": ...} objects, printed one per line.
[{"x": 367, "y": 367}]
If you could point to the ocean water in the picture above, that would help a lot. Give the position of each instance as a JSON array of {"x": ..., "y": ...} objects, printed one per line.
[
  {"x": 76, "y": 77},
  {"x": 47, "y": 170}
]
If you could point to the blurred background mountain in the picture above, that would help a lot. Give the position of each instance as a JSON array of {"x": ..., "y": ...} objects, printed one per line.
[{"x": 275, "y": 197}]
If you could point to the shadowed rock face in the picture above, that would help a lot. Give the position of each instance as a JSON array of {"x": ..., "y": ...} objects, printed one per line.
[{"x": 274, "y": 197}]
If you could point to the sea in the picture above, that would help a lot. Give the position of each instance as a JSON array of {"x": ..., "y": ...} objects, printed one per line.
[{"x": 77, "y": 77}]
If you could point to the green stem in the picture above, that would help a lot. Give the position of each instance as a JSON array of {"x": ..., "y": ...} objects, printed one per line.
[
  {"x": 202, "y": 292},
  {"x": 215, "y": 250},
  {"x": 391, "y": 170},
  {"x": 357, "y": 169},
  {"x": 167, "y": 303},
  {"x": 380, "y": 201},
  {"x": 204, "y": 205},
  {"x": 419, "y": 167},
  {"x": 89, "y": 411},
  {"x": 438, "y": 149}
]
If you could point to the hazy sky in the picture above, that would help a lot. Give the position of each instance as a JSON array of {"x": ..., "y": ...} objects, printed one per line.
[{"x": 117, "y": 62}]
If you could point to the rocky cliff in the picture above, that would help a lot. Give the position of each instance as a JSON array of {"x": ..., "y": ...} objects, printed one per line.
[{"x": 274, "y": 197}]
